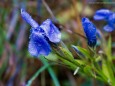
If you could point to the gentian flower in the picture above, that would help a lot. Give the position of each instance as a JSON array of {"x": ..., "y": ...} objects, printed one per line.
[
  {"x": 105, "y": 14},
  {"x": 102, "y": 14},
  {"x": 41, "y": 35},
  {"x": 90, "y": 31}
]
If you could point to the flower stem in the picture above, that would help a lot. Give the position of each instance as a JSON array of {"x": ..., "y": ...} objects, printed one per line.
[
  {"x": 50, "y": 70},
  {"x": 36, "y": 74}
]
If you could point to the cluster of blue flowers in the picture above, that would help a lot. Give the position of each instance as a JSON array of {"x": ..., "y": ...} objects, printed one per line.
[
  {"x": 41, "y": 35},
  {"x": 47, "y": 32},
  {"x": 90, "y": 29},
  {"x": 105, "y": 14}
]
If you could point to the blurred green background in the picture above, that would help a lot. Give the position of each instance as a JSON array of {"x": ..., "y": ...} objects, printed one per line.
[{"x": 16, "y": 64}]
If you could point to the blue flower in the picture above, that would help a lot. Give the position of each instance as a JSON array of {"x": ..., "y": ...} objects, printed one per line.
[
  {"x": 51, "y": 31},
  {"x": 102, "y": 14},
  {"x": 111, "y": 23},
  {"x": 90, "y": 31},
  {"x": 105, "y": 14},
  {"x": 38, "y": 44}
]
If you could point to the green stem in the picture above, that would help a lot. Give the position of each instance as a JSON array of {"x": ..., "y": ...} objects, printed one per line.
[
  {"x": 50, "y": 70},
  {"x": 36, "y": 74}
]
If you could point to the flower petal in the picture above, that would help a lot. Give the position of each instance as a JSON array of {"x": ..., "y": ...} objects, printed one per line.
[
  {"x": 111, "y": 23},
  {"x": 38, "y": 45},
  {"x": 90, "y": 31},
  {"x": 98, "y": 17},
  {"x": 102, "y": 14},
  {"x": 51, "y": 31},
  {"x": 28, "y": 18},
  {"x": 111, "y": 18},
  {"x": 108, "y": 28}
]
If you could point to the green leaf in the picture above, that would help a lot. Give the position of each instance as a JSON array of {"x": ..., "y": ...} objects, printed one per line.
[
  {"x": 107, "y": 49},
  {"x": 87, "y": 70},
  {"x": 66, "y": 53},
  {"x": 108, "y": 72},
  {"x": 105, "y": 69},
  {"x": 98, "y": 59},
  {"x": 69, "y": 64},
  {"x": 81, "y": 62},
  {"x": 109, "y": 44},
  {"x": 52, "y": 57},
  {"x": 84, "y": 51}
]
